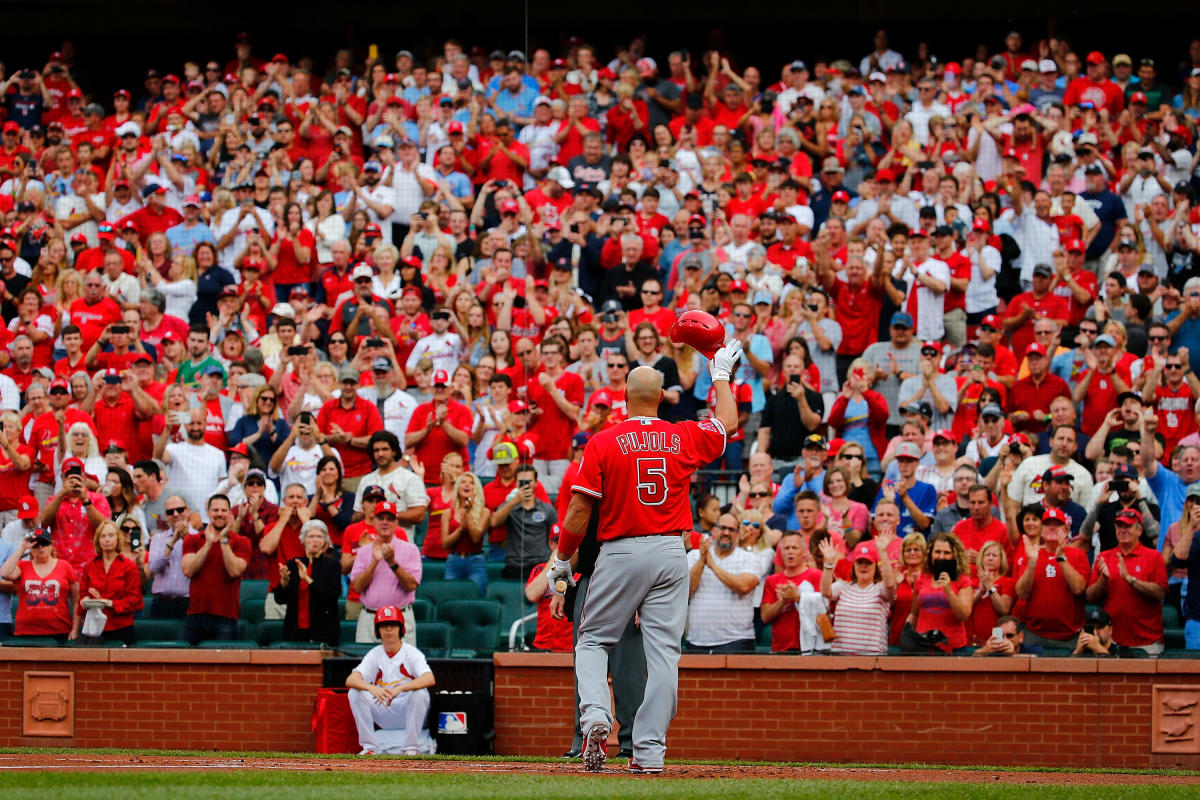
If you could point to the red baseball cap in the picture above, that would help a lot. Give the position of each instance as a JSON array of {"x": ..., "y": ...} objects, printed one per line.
[
  {"x": 454, "y": 127},
  {"x": 1012, "y": 153},
  {"x": 1129, "y": 516},
  {"x": 602, "y": 397},
  {"x": 510, "y": 207},
  {"x": 1138, "y": 97},
  {"x": 991, "y": 321},
  {"x": 1019, "y": 438},
  {"x": 739, "y": 286},
  {"x": 410, "y": 291},
  {"x": 517, "y": 406},
  {"x": 386, "y": 507},
  {"x": 1035, "y": 349},
  {"x": 981, "y": 224},
  {"x": 1076, "y": 246},
  {"x": 918, "y": 233},
  {"x": 1095, "y": 57},
  {"x": 74, "y": 94},
  {"x": 27, "y": 507},
  {"x": 944, "y": 433},
  {"x": 441, "y": 378},
  {"x": 865, "y": 551},
  {"x": 70, "y": 464},
  {"x": 1059, "y": 516},
  {"x": 885, "y": 175},
  {"x": 840, "y": 196}
]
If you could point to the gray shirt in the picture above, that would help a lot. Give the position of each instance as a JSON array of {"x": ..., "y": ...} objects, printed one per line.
[
  {"x": 945, "y": 384},
  {"x": 528, "y": 541},
  {"x": 825, "y": 360},
  {"x": 908, "y": 360}
]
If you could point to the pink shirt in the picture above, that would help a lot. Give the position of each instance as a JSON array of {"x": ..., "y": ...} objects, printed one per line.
[{"x": 384, "y": 589}]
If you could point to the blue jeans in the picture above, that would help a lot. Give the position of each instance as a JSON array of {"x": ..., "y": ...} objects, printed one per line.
[
  {"x": 472, "y": 568},
  {"x": 495, "y": 551},
  {"x": 1191, "y": 634},
  {"x": 198, "y": 627}
]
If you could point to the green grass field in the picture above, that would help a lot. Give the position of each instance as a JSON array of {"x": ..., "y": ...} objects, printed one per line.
[{"x": 296, "y": 785}]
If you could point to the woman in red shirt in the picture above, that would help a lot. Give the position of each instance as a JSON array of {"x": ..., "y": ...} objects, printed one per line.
[
  {"x": 993, "y": 590},
  {"x": 46, "y": 589},
  {"x": 942, "y": 595},
  {"x": 910, "y": 568},
  {"x": 440, "y": 500},
  {"x": 463, "y": 526},
  {"x": 15, "y": 461},
  {"x": 114, "y": 579},
  {"x": 292, "y": 248},
  {"x": 628, "y": 117}
]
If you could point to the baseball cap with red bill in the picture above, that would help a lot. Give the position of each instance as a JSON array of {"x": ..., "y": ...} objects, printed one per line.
[
  {"x": 193, "y": 200},
  {"x": 386, "y": 507},
  {"x": 908, "y": 450},
  {"x": 510, "y": 207},
  {"x": 981, "y": 224},
  {"x": 106, "y": 232},
  {"x": 1057, "y": 472},
  {"x": 990, "y": 321},
  {"x": 517, "y": 406},
  {"x": 1035, "y": 349},
  {"x": 72, "y": 466},
  {"x": 1055, "y": 515},
  {"x": 841, "y": 196},
  {"x": 944, "y": 433},
  {"x": 114, "y": 445},
  {"x": 865, "y": 551},
  {"x": 27, "y": 507},
  {"x": 441, "y": 378},
  {"x": 602, "y": 397},
  {"x": 1076, "y": 246},
  {"x": 1129, "y": 516},
  {"x": 1019, "y": 438}
]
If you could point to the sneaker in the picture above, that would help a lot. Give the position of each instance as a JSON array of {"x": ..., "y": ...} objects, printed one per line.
[
  {"x": 638, "y": 769},
  {"x": 595, "y": 742},
  {"x": 412, "y": 751}
]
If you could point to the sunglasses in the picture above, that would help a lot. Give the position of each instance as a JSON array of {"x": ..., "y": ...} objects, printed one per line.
[
  {"x": 853, "y": 456},
  {"x": 337, "y": 341},
  {"x": 172, "y": 511},
  {"x": 268, "y": 398},
  {"x": 750, "y": 524},
  {"x": 650, "y": 291},
  {"x": 37, "y": 543},
  {"x": 617, "y": 366},
  {"x": 131, "y": 529},
  {"x": 524, "y": 352},
  {"x": 1172, "y": 366},
  {"x": 1152, "y": 338}
]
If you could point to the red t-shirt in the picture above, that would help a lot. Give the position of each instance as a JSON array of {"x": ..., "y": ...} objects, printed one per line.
[
  {"x": 936, "y": 613},
  {"x": 1136, "y": 618},
  {"x": 432, "y": 546},
  {"x": 437, "y": 444},
  {"x": 43, "y": 437},
  {"x": 743, "y": 395},
  {"x": 361, "y": 419},
  {"x": 552, "y": 429},
  {"x": 1051, "y": 610},
  {"x": 287, "y": 268},
  {"x": 960, "y": 268},
  {"x": 858, "y": 314},
  {"x": 1051, "y": 306},
  {"x": 1101, "y": 398},
  {"x": 92, "y": 318},
  {"x": 1030, "y": 397},
  {"x": 116, "y": 420},
  {"x": 1075, "y": 309},
  {"x": 147, "y": 221},
  {"x": 45, "y": 603},
  {"x": 974, "y": 538},
  {"x": 785, "y": 628},
  {"x": 552, "y": 634},
  {"x": 1174, "y": 409},
  {"x": 213, "y": 591},
  {"x": 983, "y": 615},
  {"x": 663, "y": 319},
  {"x": 289, "y": 547},
  {"x": 14, "y": 483},
  {"x": 645, "y": 466}
]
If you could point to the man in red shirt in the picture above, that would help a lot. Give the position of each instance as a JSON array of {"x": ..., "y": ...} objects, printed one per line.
[
  {"x": 155, "y": 216},
  {"x": 214, "y": 561},
  {"x": 348, "y": 422},
  {"x": 980, "y": 526},
  {"x": 1129, "y": 582},
  {"x": 1050, "y": 585},
  {"x": 95, "y": 311},
  {"x": 790, "y": 248},
  {"x": 119, "y": 406},
  {"x": 858, "y": 305},
  {"x": 1038, "y": 303},
  {"x": 1074, "y": 284},
  {"x": 651, "y": 311},
  {"x": 93, "y": 257},
  {"x": 1095, "y": 88},
  {"x": 1006, "y": 364},
  {"x": 1175, "y": 398},
  {"x": 503, "y": 158},
  {"x": 1100, "y": 384},
  {"x": 441, "y": 426},
  {"x": 1029, "y": 400},
  {"x": 955, "y": 301},
  {"x": 781, "y": 592},
  {"x": 556, "y": 396}
]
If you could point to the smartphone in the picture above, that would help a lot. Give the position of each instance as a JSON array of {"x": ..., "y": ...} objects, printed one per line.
[
  {"x": 925, "y": 164},
  {"x": 794, "y": 379},
  {"x": 120, "y": 329},
  {"x": 524, "y": 482},
  {"x": 373, "y": 341},
  {"x": 574, "y": 227},
  {"x": 372, "y": 51},
  {"x": 1089, "y": 629},
  {"x": 998, "y": 634},
  {"x": 135, "y": 541},
  {"x": 500, "y": 184},
  {"x": 297, "y": 350},
  {"x": 305, "y": 418},
  {"x": 180, "y": 417}
]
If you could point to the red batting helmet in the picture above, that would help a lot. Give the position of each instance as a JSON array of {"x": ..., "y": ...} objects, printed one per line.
[
  {"x": 700, "y": 330},
  {"x": 388, "y": 615}
]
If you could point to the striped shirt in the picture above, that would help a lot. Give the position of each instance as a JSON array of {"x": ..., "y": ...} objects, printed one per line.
[{"x": 861, "y": 618}]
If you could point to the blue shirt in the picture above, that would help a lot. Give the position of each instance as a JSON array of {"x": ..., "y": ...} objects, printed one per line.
[
  {"x": 494, "y": 84},
  {"x": 1188, "y": 334},
  {"x": 761, "y": 347},
  {"x": 459, "y": 183},
  {"x": 1171, "y": 491},
  {"x": 519, "y": 104},
  {"x": 924, "y": 495},
  {"x": 184, "y": 239},
  {"x": 6, "y": 550},
  {"x": 785, "y": 502}
]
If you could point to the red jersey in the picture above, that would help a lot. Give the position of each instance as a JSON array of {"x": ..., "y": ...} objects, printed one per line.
[
  {"x": 501, "y": 166},
  {"x": 1051, "y": 610},
  {"x": 290, "y": 547},
  {"x": 1026, "y": 395},
  {"x": 552, "y": 634},
  {"x": 1101, "y": 398},
  {"x": 786, "y": 255},
  {"x": 432, "y": 546},
  {"x": 858, "y": 313},
  {"x": 1075, "y": 309},
  {"x": 93, "y": 258},
  {"x": 960, "y": 268},
  {"x": 14, "y": 483},
  {"x": 1136, "y": 618},
  {"x": 92, "y": 318},
  {"x": 1174, "y": 409},
  {"x": 43, "y": 437},
  {"x": 546, "y": 209},
  {"x": 213, "y": 591},
  {"x": 936, "y": 613},
  {"x": 663, "y": 319},
  {"x": 552, "y": 429},
  {"x": 974, "y": 537},
  {"x": 438, "y": 444},
  {"x": 983, "y": 615},
  {"x": 785, "y": 628},
  {"x": 1051, "y": 306},
  {"x": 645, "y": 467},
  {"x": 147, "y": 221},
  {"x": 1104, "y": 94},
  {"x": 121, "y": 583},
  {"x": 45, "y": 605},
  {"x": 361, "y": 419},
  {"x": 116, "y": 420}
]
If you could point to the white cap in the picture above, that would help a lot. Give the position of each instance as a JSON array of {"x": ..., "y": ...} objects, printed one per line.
[
  {"x": 361, "y": 271},
  {"x": 560, "y": 176},
  {"x": 541, "y": 100},
  {"x": 877, "y": 76},
  {"x": 1047, "y": 65},
  {"x": 283, "y": 310},
  {"x": 128, "y": 127},
  {"x": 1029, "y": 64}
]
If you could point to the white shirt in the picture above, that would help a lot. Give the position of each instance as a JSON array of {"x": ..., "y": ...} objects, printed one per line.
[
  {"x": 1037, "y": 239},
  {"x": 397, "y": 410},
  {"x": 195, "y": 472},
  {"x": 116, "y": 211},
  {"x": 1025, "y": 486},
  {"x": 542, "y": 147},
  {"x": 716, "y": 614},
  {"x": 900, "y": 207},
  {"x": 326, "y": 232},
  {"x": 919, "y": 118},
  {"x": 400, "y": 486},
  {"x": 981, "y": 294},
  {"x": 379, "y": 669},
  {"x": 385, "y": 196},
  {"x": 300, "y": 466},
  {"x": 443, "y": 349},
  {"x": 930, "y": 316},
  {"x": 257, "y": 218},
  {"x": 69, "y": 205},
  {"x": 409, "y": 194},
  {"x": 124, "y": 289}
]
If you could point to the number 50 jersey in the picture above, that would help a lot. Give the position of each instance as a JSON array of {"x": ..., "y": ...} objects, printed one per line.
[{"x": 642, "y": 471}]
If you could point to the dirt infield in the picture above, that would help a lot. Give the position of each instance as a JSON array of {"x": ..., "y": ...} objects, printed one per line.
[{"x": 112, "y": 762}]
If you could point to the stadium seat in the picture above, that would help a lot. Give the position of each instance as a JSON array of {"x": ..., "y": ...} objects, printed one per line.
[
  {"x": 341, "y": 613},
  {"x": 763, "y": 643},
  {"x": 432, "y": 570},
  {"x": 423, "y": 610},
  {"x": 156, "y": 629},
  {"x": 434, "y": 639},
  {"x": 1172, "y": 627},
  {"x": 254, "y": 589},
  {"x": 476, "y": 623},
  {"x": 356, "y": 650},
  {"x": 30, "y": 641},
  {"x": 437, "y": 592},
  {"x": 513, "y": 605},
  {"x": 297, "y": 646},
  {"x": 162, "y": 644},
  {"x": 269, "y": 631},
  {"x": 228, "y": 644},
  {"x": 494, "y": 568},
  {"x": 349, "y": 629}
]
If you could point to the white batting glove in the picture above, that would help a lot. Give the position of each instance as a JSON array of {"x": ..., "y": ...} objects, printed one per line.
[
  {"x": 723, "y": 361},
  {"x": 560, "y": 571}
]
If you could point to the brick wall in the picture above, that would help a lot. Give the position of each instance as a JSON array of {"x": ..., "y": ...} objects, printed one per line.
[
  {"x": 237, "y": 699},
  {"x": 1050, "y": 712}
]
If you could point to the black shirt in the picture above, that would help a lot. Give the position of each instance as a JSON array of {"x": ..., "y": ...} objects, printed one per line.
[
  {"x": 622, "y": 275},
  {"x": 782, "y": 415}
]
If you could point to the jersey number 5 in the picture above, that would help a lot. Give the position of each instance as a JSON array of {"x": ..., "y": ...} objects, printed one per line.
[{"x": 652, "y": 481}]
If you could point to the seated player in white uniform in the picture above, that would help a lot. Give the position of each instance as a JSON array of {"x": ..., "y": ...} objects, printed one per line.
[{"x": 390, "y": 689}]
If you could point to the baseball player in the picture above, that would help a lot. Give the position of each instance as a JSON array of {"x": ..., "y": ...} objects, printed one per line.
[
  {"x": 390, "y": 688},
  {"x": 640, "y": 471}
]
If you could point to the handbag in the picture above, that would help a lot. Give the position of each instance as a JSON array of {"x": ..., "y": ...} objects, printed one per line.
[
  {"x": 825, "y": 625},
  {"x": 922, "y": 643}
]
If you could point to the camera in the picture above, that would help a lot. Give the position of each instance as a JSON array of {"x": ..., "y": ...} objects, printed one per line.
[
  {"x": 574, "y": 227},
  {"x": 1119, "y": 486},
  {"x": 373, "y": 341},
  {"x": 305, "y": 418},
  {"x": 500, "y": 184},
  {"x": 767, "y": 102},
  {"x": 1089, "y": 628},
  {"x": 997, "y": 62},
  {"x": 120, "y": 329},
  {"x": 525, "y": 482},
  {"x": 610, "y": 318},
  {"x": 297, "y": 350},
  {"x": 518, "y": 302},
  {"x": 794, "y": 379},
  {"x": 1014, "y": 449},
  {"x": 27, "y": 75}
]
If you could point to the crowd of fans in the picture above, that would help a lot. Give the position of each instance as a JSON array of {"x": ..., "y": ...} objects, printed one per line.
[{"x": 325, "y": 326}]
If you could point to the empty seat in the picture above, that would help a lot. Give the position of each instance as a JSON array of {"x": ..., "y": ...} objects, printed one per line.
[
  {"x": 348, "y": 628},
  {"x": 162, "y": 644},
  {"x": 423, "y": 610},
  {"x": 494, "y": 568},
  {"x": 513, "y": 605},
  {"x": 269, "y": 631},
  {"x": 156, "y": 629},
  {"x": 434, "y": 639},
  {"x": 476, "y": 623},
  {"x": 30, "y": 641},
  {"x": 228, "y": 644},
  {"x": 437, "y": 592},
  {"x": 253, "y": 595},
  {"x": 432, "y": 570}
]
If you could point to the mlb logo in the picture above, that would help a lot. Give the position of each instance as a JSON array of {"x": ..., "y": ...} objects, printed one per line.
[{"x": 452, "y": 722}]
